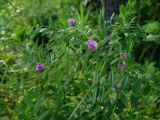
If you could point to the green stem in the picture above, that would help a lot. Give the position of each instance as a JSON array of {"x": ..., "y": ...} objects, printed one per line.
[{"x": 81, "y": 102}]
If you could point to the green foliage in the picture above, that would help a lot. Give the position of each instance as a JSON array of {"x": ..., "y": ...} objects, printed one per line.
[{"x": 77, "y": 83}]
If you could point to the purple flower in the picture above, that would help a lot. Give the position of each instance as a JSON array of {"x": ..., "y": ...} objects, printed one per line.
[
  {"x": 40, "y": 67},
  {"x": 92, "y": 44},
  {"x": 121, "y": 66},
  {"x": 71, "y": 21}
]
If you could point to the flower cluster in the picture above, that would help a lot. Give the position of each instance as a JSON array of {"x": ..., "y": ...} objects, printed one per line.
[
  {"x": 71, "y": 21},
  {"x": 40, "y": 67},
  {"x": 92, "y": 44}
]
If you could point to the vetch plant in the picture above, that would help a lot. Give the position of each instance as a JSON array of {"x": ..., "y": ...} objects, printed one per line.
[
  {"x": 71, "y": 21},
  {"x": 94, "y": 78},
  {"x": 40, "y": 67},
  {"x": 92, "y": 44},
  {"x": 121, "y": 65}
]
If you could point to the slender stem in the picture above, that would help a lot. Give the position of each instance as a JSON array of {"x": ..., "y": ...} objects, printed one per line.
[{"x": 81, "y": 102}]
